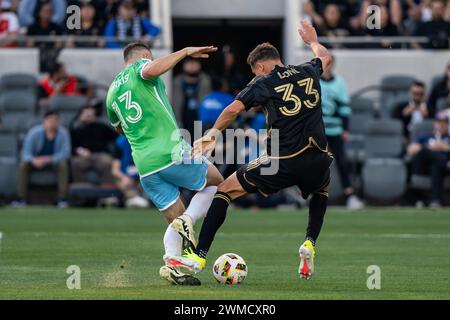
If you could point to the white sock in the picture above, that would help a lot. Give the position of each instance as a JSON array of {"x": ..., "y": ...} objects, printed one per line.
[
  {"x": 172, "y": 242},
  {"x": 199, "y": 205}
]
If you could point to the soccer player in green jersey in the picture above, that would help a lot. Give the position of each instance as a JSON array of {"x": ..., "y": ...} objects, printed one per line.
[{"x": 138, "y": 107}]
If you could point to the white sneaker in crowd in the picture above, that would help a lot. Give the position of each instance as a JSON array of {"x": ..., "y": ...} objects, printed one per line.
[
  {"x": 137, "y": 202},
  {"x": 354, "y": 203}
]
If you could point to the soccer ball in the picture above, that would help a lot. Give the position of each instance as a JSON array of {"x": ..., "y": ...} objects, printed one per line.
[{"x": 230, "y": 268}]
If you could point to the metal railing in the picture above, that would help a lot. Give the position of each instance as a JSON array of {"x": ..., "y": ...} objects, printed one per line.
[
  {"x": 389, "y": 42},
  {"x": 68, "y": 39},
  {"x": 354, "y": 42}
]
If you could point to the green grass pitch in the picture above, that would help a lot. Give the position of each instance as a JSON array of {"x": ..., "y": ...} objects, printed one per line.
[{"x": 119, "y": 253}]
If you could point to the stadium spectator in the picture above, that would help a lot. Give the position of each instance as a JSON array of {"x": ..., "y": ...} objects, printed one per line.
[
  {"x": 56, "y": 83},
  {"x": 105, "y": 10},
  {"x": 214, "y": 103},
  {"x": 127, "y": 24},
  {"x": 331, "y": 24},
  {"x": 92, "y": 145},
  {"x": 440, "y": 90},
  {"x": 89, "y": 27},
  {"x": 228, "y": 71},
  {"x": 387, "y": 29},
  {"x": 44, "y": 26},
  {"x": 9, "y": 25},
  {"x": 29, "y": 11},
  {"x": 189, "y": 88},
  {"x": 126, "y": 175},
  {"x": 393, "y": 11},
  {"x": 438, "y": 29},
  {"x": 45, "y": 146},
  {"x": 431, "y": 155},
  {"x": 336, "y": 112},
  {"x": 413, "y": 18},
  {"x": 415, "y": 111}
]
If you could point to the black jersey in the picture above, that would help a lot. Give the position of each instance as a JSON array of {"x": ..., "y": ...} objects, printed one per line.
[{"x": 291, "y": 100}]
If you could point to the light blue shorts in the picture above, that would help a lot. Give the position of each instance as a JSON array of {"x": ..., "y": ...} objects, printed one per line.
[{"x": 163, "y": 186}]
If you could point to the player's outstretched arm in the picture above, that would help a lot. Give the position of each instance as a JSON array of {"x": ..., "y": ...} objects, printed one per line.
[
  {"x": 206, "y": 144},
  {"x": 309, "y": 36},
  {"x": 161, "y": 65}
]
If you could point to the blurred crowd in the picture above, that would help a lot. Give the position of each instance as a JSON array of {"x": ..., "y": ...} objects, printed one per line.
[
  {"x": 122, "y": 19},
  {"x": 116, "y": 19},
  {"x": 93, "y": 165},
  {"x": 425, "y": 18}
]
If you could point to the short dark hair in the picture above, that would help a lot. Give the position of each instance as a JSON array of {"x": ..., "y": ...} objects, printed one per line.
[
  {"x": 418, "y": 83},
  {"x": 262, "y": 52},
  {"x": 131, "y": 48},
  {"x": 50, "y": 113},
  {"x": 54, "y": 68}
]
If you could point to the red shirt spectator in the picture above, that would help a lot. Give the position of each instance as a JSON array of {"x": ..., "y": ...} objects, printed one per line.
[
  {"x": 58, "y": 82},
  {"x": 69, "y": 86},
  {"x": 9, "y": 24}
]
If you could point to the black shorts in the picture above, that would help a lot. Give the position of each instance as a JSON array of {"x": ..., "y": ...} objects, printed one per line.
[{"x": 309, "y": 170}]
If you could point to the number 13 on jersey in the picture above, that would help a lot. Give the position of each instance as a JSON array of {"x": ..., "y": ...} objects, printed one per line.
[{"x": 134, "y": 110}]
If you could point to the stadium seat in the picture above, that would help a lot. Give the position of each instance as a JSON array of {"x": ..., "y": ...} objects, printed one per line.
[
  {"x": 354, "y": 148},
  {"x": 43, "y": 178},
  {"x": 68, "y": 106},
  {"x": 8, "y": 174},
  {"x": 17, "y": 108},
  {"x": 442, "y": 104},
  {"x": 362, "y": 105},
  {"x": 8, "y": 144},
  {"x": 423, "y": 182},
  {"x": 393, "y": 85},
  {"x": 418, "y": 129},
  {"x": 388, "y": 107},
  {"x": 17, "y": 82},
  {"x": 383, "y": 139},
  {"x": 358, "y": 128},
  {"x": 383, "y": 147},
  {"x": 396, "y": 83},
  {"x": 435, "y": 80},
  {"x": 384, "y": 179}
]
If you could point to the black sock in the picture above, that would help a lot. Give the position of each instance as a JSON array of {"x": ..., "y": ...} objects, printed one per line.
[
  {"x": 317, "y": 209},
  {"x": 213, "y": 220}
]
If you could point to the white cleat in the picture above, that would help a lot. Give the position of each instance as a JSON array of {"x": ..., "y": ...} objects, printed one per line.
[
  {"x": 183, "y": 225},
  {"x": 306, "y": 255},
  {"x": 175, "y": 276},
  {"x": 184, "y": 262}
]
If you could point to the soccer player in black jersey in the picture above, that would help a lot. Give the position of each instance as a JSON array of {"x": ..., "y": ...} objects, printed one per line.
[{"x": 291, "y": 100}]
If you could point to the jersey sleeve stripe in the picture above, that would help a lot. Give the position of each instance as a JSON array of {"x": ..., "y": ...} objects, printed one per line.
[{"x": 142, "y": 69}]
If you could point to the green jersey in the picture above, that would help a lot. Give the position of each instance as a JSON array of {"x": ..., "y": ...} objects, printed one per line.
[{"x": 143, "y": 110}]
